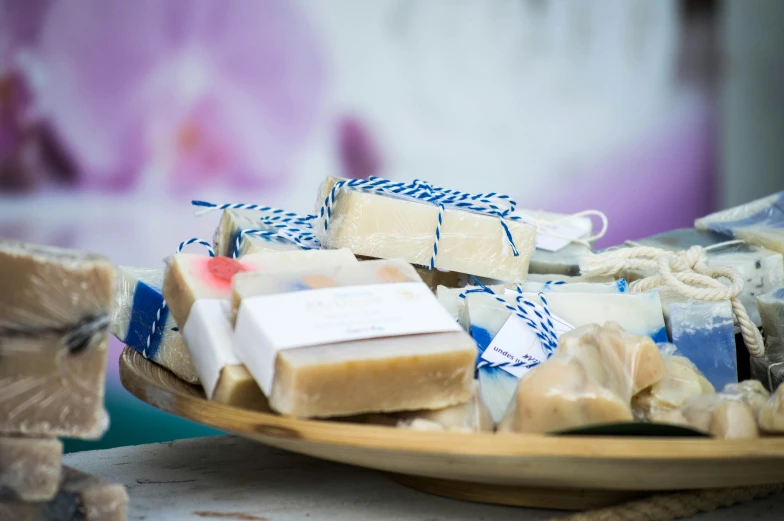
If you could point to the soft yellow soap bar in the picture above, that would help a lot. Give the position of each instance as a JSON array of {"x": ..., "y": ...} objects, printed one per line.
[
  {"x": 386, "y": 374},
  {"x": 389, "y": 227}
]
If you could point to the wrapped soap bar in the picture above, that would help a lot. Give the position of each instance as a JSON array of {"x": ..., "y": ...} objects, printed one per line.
[
  {"x": 721, "y": 415},
  {"x": 771, "y": 414},
  {"x": 54, "y": 317},
  {"x": 29, "y": 468},
  {"x": 590, "y": 380},
  {"x": 704, "y": 332},
  {"x": 682, "y": 382},
  {"x": 750, "y": 392},
  {"x": 80, "y": 497},
  {"x": 769, "y": 369},
  {"x": 377, "y": 219},
  {"x": 565, "y": 261},
  {"x": 471, "y": 416},
  {"x": 352, "y": 339},
  {"x": 761, "y": 269},
  {"x": 141, "y": 320},
  {"x": 229, "y": 238},
  {"x": 758, "y": 222},
  {"x": 197, "y": 289}
]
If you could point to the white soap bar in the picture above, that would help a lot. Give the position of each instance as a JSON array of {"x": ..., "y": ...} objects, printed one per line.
[
  {"x": 142, "y": 321},
  {"x": 758, "y": 222},
  {"x": 388, "y": 227}
]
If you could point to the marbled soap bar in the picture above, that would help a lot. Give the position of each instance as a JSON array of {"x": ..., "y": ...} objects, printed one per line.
[
  {"x": 80, "y": 497},
  {"x": 197, "y": 289},
  {"x": 393, "y": 227},
  {"x": 318, "y": 341},
  {"x": 141, "y": 320},
  {"x": 231, "y": 225},
  {"x": 758, "y": 222},
  {"x": 590, "y": 379},
  {"x": 704, "y": 332},
  {"x": 29, "y": 468},
  {"x": 55, "y": 307},
  {"x": 762, "y": 269}
]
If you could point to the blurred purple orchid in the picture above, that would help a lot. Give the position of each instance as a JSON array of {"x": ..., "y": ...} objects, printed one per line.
[
  {"x": 359, "y": 157},
  {"x": 178, "y": 94}
]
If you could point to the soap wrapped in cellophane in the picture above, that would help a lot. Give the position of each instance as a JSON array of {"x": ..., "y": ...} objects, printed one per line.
[
  {"x": 142, "y": 320},
  {"x": 197, "y": 289},
  {"x": 769, "y": 368},
  {"x": 242, "y": 232},
  {"x": 383, "y": 219},
  {"x": 352, "y": 339},
  {"x": 758, "y": 222},
  {"x": 55, "y": 307},
  {"x": 590, "y": 379}
]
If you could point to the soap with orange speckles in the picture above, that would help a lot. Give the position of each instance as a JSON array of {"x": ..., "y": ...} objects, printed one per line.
[{"x": 350, "y": 339}]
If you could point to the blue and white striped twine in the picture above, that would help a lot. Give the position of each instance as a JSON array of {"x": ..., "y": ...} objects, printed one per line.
[
  {"x": 543, "y": 328},
  {"x": 183, "y": 244},
  {"x": 493, "y": 204}
]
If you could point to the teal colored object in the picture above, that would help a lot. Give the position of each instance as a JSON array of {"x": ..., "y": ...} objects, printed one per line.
[{"x": 133, "y": 422}]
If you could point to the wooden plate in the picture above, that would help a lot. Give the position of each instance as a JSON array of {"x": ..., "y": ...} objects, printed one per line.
[{"x": 562, "y": 472}]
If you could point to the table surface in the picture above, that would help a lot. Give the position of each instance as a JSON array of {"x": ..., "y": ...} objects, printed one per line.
[{"x": 231, "y": 478}]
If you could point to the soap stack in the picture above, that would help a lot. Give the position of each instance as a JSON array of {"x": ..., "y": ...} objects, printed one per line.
[{"x": 54, "y": 317}]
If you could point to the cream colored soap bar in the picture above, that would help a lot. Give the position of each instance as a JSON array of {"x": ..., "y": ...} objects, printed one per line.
[
  {"x": 197, "y": 289},
  {"x": 721, "y": 415},
  {"x": 54, "y": 318},
  {"x": 330, "y": 358},
  {"x": 590, "y": 380},
  {"x": 389, "y": 227},
  {"x": 80, "y": 497},
  {"x": 771, "y": 414},
  {"x": 29, "y": 468}
]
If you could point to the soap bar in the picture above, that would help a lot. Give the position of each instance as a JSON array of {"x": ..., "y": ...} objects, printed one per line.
[
  {"x": 29, "y": 468},
  {"x": 762, "y": 269},
  {"x": 557, "y": 277},
  {"x": 565, "y": 261},
  {"x": 590, "y": 380},
  {"x": 340, "y": 364},
  {"x": 771, "y": 308},
  {"x": 141, "y": 320},
  {"x": 682, "y": 382},
  {"x": 758, "y": 222},
  {"x": 471, "y": 416},
  {"x": 771, "y": 414},
  {"x": 231, "y": 225},
  {"x": 81, "y": 497},
  {"x": 704, "y": 332},
  {"x": 394, "y": 227},
  {"x": 768, "y": 369},
  {"x": 723, "y": 416},
  {"x": 197, "y": 289},
  {"x": 750, "y": 392},
  {"x": 54, "y": 318}
]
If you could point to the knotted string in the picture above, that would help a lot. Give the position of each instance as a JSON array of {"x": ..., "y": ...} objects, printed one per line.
[
  {"x": 686, "y": 272},
  {"x": 301, "y": 237},
  {"x": 162, "y": 309},
  {"x": 492, "y": 204}
]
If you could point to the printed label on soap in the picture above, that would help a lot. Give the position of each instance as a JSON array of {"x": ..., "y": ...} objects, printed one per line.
[
  {"x": 329, "y": 315},
  {"x": 516, "y": 342},
  {"x": 553, "y": 237}
]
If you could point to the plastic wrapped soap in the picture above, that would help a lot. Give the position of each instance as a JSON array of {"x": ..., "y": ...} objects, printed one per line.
[
  {"x": 29, "y": 468},
  {"x": 721, "y": 415},
  {"x": 750, "y": 392},
  {"x": 758, "y": 222},
  {"x": 681, "y": 383},
  {"x": 197, "y": 289},
  {"x": 141, "y": 320},
  {"x": 471, "y": 416},
  {"x": 80, "y": 497},
  {"x": 388, "y": 227},
  {"x": 761, "y": 269},
  {"x": 565, "y": 261},
  {"x": 229, "y": 237},
  {"x": 704, "y": 332},
  {"x": 590, "y": 380},
  {"x": 55, "y": 309},
  {"x": 771, "y": 414},
  {"x": 769, "y": 369},
  {"x": 352, "y": 339}
]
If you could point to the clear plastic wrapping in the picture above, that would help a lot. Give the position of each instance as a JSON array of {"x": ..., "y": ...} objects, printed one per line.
[
  {"x": 55, "y": 309},
  {"x": 29, "y": 468},
  {"x": 771, "y": 414},
  {"x": 724, "y": 416},
  {"x": 389, "y": 227},
  {"x": 229, "y": 238},
  {"x": 758, "y": 222},
  {"x": 769, "y": 369},
  {"x": 345, "y": 377},
  {"x": 590, "y": 380},
  {"x": 141, "y": 321}
]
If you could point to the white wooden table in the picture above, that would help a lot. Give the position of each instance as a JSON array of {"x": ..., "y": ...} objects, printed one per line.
[{"x": 230, "y": 478}]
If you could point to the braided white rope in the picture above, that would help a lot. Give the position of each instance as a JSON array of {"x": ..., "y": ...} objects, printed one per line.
[{"x": 686, "y": 272}]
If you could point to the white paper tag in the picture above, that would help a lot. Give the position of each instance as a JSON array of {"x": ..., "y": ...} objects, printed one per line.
[
  {"x": 545, "y": 239},
  {"x": 271, "y": 323},
  {"x": 516, "y": 342},
  {"x": 208, "y": 335}
]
